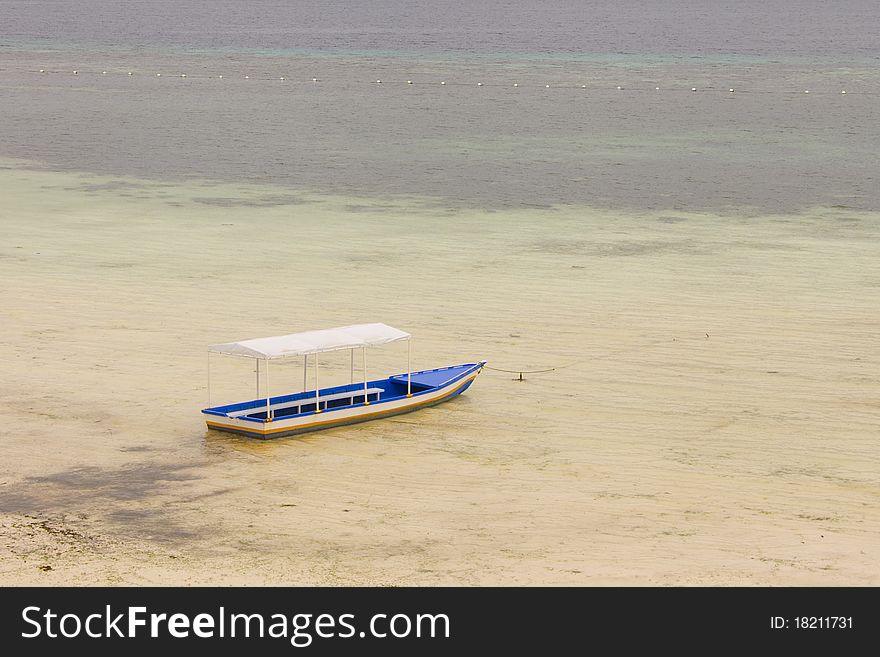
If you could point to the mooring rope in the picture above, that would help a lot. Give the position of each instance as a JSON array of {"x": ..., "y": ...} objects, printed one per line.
[
  {"x": 573, "y": 363},
  {"x": 498, "y": 369},
  {"x": 521, "y": 372}
]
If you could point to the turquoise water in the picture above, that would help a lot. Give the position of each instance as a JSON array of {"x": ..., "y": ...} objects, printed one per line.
[{"x": 511, "y": 104}]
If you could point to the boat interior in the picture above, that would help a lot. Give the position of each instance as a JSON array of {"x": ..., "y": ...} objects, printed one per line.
[{"x": 340, "y": 396}]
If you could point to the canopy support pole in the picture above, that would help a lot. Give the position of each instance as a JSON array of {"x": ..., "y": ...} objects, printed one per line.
[
  {"x": 305, "y": 371},
  {"x": 268, "y": 395},
  {"x": 258, "y": 379},
  {"x": 352, "y": 365},
  {"x": 366, "y": 400},
  {"x": 409, "y": 368},
  {"x": 317, "y": 388},
  {"x": 209, "y": 379}
]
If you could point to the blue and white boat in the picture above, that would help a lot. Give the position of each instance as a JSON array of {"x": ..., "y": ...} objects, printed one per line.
[{"x": 323, "y": 408}]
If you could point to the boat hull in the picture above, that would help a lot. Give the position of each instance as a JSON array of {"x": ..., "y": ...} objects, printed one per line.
[{"x": 337, "y": 417}]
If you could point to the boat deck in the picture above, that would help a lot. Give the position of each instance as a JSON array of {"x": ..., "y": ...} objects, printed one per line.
[
  {"x": 303, "y": 403},
  {"x": 432, "y": 378}
]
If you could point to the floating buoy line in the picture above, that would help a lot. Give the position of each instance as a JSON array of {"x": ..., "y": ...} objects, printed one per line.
[{"x": 442, "y": 83}]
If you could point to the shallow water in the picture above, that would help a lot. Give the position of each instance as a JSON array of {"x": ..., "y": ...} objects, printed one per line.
[{"x": 713, "y": 415}]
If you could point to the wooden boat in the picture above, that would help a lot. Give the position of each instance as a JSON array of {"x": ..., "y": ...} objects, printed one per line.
[{"x": 323, "y": 408}]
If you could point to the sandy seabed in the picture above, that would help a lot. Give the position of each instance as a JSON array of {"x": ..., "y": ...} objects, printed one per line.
[{"x": 714, "y": 420}]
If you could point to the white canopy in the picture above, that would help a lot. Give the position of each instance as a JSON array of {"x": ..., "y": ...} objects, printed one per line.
[{"x": 313, "y": 342}]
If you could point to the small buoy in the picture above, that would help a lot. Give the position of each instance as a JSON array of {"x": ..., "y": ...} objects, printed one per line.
[
  {"x": 843, "y": 92},
  {"x": 730, "y": 90},
  {"x": 583, "y": 86},
  {"x": 656, "y": 88},
  {"x": 75, "y": 72},
  {"x": 444, "y": 82},
  {"x": 693, "y": 88},
  {"x": 129, "y": 72},
  {"x": 281, "y": 78},
  {"x": 220, "y": 76},
  {"x": 619, "y": 87},
  {"x": 547, "y": 86},
  {"x": 515, "y": 84},
  {"x": 183, "y": 75},
  {"x": 247, "y": 77},
  {"x": 378, "y": 81},
  {"x": 806, "y": 91},
  {"x": 409, "y": 81},
  {"x": 42, "y": 70},
  {"x": 479, "y": 84},
  {"x": 103, "y": 72},
  {"x": 314, "y": 79},
  {"x": 158, "y": 75}
]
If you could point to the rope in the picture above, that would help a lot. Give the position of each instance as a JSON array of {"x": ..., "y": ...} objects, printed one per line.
[
  {"x": 498, "y": 369},
  {"x": 573, "y": 363},
  {"x": 521, "y": 372}
]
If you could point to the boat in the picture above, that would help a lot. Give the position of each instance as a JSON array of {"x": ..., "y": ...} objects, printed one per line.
[{"x": 323, "y": 408}]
